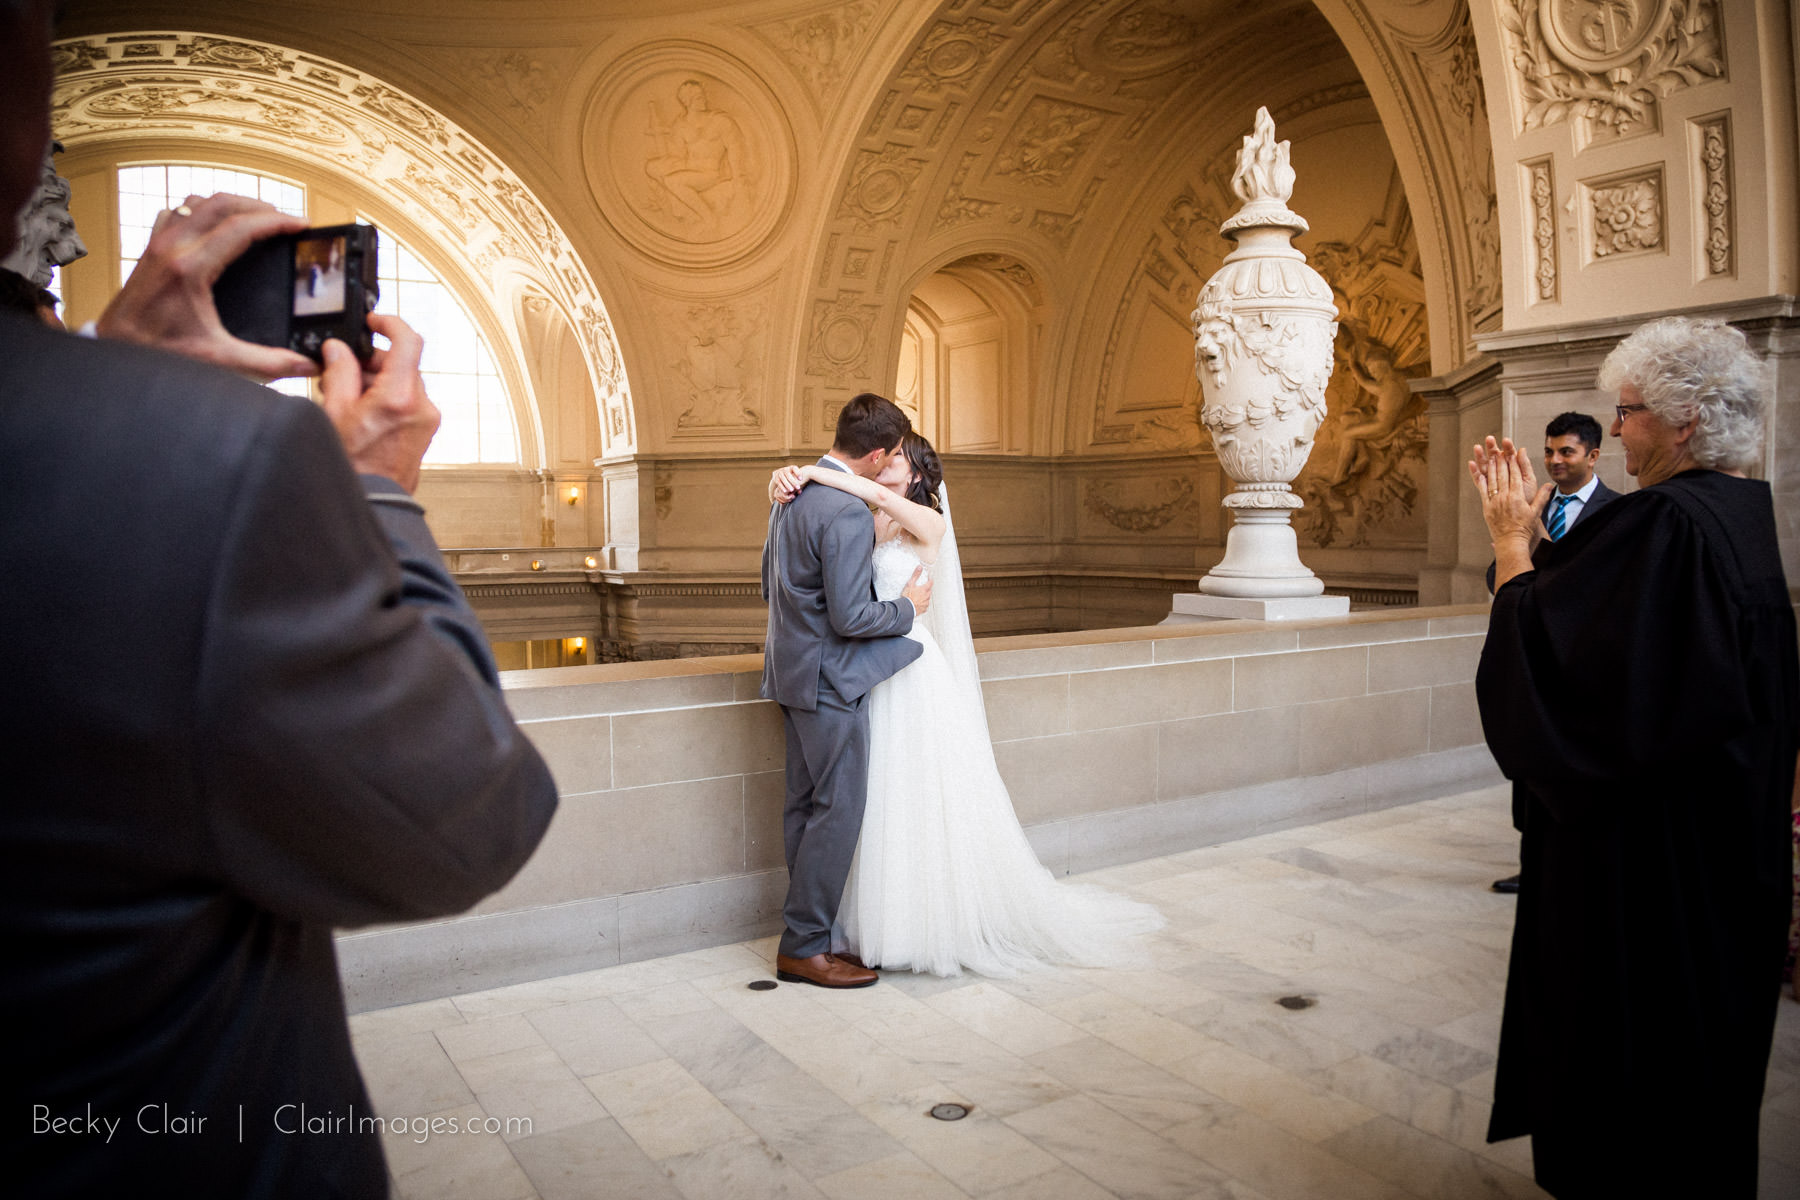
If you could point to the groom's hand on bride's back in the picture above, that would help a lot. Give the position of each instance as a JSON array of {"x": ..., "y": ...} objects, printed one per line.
[{"x": 918, "y": 590}]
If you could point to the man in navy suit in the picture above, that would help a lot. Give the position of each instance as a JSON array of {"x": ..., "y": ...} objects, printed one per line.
[{"x": 1571, "y": 450}]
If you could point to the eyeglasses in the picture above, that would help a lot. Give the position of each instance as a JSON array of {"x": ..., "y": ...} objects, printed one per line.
[{"x": 1625, "y": 410}]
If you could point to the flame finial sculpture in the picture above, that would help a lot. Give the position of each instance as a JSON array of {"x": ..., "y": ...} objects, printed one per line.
[{"x": 1263, "y": 334}]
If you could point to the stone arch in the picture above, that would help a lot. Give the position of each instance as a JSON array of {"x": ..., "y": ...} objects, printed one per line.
[
  {"x": 415, "y": 167},
  {"x": 1042, "y": 124},
  {"x": 1424, "y": 74}
]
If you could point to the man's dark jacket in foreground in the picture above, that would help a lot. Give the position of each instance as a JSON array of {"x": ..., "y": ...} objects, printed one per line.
[{"x": 243, "y": 706}]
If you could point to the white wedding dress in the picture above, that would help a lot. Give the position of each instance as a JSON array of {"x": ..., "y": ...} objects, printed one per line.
[{"x": 944, "y": 878}]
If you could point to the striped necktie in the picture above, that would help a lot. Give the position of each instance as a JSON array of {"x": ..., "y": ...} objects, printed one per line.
[{"x": 1558, "y": 519}]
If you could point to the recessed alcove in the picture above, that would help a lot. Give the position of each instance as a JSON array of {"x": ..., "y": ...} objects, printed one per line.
[{"x": 968, "y": 361}]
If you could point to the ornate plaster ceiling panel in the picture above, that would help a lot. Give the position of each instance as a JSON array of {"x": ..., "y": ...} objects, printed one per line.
[
  {"x": 1605, "y": 63},
  {"x": 822, "y": 47},
  {"x": 690, "y": 155},
  {"x": 184, "y": 85}
]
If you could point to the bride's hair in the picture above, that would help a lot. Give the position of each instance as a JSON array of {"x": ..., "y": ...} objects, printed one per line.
[{"x": 927, "y": 471}]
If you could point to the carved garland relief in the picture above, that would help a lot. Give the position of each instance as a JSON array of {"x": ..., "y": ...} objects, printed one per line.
[
  {"x": 689, "y": 156},
  {"x": 189, "y": 85},
  {"x": 1111, "y": 502},
  {"x": 1714, "y": 152},
  {"x": 1540, "y": 186},
  {"x": 1606, "y": 63}
]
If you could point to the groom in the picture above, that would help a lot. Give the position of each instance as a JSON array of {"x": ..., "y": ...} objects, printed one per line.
[{"x": 829, "y": 641}]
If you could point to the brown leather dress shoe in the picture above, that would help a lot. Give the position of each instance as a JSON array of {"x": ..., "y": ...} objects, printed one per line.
[
  {"x": 823, "y": 970},
  {"x": 855, "y": 960}
]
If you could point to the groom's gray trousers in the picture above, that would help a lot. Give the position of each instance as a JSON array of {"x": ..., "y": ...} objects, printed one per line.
[{"x": 827, "y": 786}]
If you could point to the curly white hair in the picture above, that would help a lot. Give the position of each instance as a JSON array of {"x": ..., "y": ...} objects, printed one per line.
[{"x": 1697, "y": 368}]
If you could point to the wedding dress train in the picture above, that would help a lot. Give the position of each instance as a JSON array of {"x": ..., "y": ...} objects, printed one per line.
[{"x": 944, "y": 877}]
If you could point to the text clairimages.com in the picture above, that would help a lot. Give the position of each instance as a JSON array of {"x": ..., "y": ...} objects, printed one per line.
[{"x": 159, "y": 1120}]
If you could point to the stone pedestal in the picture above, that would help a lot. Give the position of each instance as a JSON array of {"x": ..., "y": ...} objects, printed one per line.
[{"x": 1190, "y": 607}]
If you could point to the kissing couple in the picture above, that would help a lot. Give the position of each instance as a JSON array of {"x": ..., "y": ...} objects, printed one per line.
[{"x": 903, "y": 850}]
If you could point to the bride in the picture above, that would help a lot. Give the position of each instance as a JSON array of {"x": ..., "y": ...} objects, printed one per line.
[{"x": 943, "y": 876}]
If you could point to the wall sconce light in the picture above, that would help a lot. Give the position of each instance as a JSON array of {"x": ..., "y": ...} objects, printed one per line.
[
  {"x": 574, "y": 496},
  {"x": 591, "y": 562},
  {"x": 580, "y": 645},
  {"x": 537, "y": 564}
]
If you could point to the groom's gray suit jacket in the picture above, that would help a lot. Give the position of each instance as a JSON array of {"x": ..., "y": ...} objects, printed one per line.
[{"x": 825, "y": 624}]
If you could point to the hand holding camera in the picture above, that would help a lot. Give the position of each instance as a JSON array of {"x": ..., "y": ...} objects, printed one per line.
[
  {"x": 381, "y": 411},
  {"x": 292, "y": 286},
  {"x": 168, "y": 301}
]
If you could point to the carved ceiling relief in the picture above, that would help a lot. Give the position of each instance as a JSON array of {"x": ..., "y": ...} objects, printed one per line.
[
  {"x": 822, "y": 47},
  {"x": 838, "y": 350},
  {"x": 881, "y": 187},
  {"x": 689, "y": 156},
  {"x": 185, "y": 85},
  {"x": 1050, "y": 139},
  {"x": 519, "y": 84},
  {"x": 951, "y": 54},
  {"x": 716, "y": 351},
  {"x": 883, "y": 193},
  {"x": 1606, "y": 63}
]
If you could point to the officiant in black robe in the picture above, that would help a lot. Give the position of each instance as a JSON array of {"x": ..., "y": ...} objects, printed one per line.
[{"x": 1641, "y": 682}]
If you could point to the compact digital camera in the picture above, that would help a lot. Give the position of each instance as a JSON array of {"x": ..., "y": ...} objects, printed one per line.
[{"x": 297, "y": 289}]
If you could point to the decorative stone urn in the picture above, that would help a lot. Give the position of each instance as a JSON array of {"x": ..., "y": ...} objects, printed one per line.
[{"x": 1263, "y": 335}]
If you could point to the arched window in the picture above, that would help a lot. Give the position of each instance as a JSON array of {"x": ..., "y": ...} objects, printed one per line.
[
  {"x": 145, "y": 191},
  {"x": 460, "y": 374}
]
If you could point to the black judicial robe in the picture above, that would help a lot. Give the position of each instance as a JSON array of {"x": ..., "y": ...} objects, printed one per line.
[{"x": 1640, "y": 688}]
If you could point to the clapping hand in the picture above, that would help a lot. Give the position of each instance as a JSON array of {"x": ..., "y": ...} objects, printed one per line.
[{"x": 1510, "y": 496}]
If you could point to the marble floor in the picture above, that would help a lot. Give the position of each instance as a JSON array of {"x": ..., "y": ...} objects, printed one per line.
[{"x": 672, "y": 1079}]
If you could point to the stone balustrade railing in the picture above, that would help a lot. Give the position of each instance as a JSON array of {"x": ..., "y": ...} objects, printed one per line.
[{"x": 1116, "y": 744}]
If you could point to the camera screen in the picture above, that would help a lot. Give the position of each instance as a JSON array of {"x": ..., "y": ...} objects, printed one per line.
[{"x": 318, "y": 276}]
